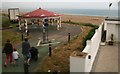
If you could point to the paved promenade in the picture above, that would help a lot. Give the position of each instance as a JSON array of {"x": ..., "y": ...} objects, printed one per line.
[{"x": 107, "y": 59}]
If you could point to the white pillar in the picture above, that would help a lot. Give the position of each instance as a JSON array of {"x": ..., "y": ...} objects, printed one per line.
[
  {"x": 58, "y": 24},
  {"x": 60, "y": 21},
  {"x": 105, "y": 25},
  {"x": 52, "y": 21},
  {"x": 26, "y": 26},
  {"x": 43, "y": 22},
  {"x": 19, "y": 24}
]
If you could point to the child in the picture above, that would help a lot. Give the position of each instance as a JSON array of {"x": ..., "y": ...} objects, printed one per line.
[
  {"x": 15, "y": 55},
  {"x": 28, "y": 57}
]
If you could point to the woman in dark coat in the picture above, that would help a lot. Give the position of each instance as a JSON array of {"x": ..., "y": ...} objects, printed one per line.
[{"x": 8, "y": 49}]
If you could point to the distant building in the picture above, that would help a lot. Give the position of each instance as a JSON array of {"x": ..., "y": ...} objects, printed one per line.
[{"x": 112, "y": 26}]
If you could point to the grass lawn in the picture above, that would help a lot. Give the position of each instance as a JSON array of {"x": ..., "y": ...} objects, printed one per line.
[{"x": 14, "y": 37}]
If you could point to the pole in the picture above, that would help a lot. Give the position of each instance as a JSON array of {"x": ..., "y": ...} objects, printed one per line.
[
  {"x": 22, "y": 36},
  {"x": 27, "y": 33},
  {"x": 26, "y": 68},
  {"x": 109, "y": 12},
  {"x": 50, "y": 50},
  {"x": 47, "y": 33},
  {"x": 44, "y": 37},
  {"x": 68, "y": 37}
]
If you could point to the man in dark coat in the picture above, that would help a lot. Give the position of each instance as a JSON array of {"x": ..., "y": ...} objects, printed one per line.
[
  {"x": 8, "y": 49},
  {"x": 25, "y": 48}
]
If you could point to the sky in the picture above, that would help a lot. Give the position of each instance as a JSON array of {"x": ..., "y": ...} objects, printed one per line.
[
  {"x": 69, "y": 4},
  {"x": 58, "y": 0}
]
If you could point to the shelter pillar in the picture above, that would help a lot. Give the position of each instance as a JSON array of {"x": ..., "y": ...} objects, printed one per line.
[
  {"x": 26, "y": 26},
  {"x": 60, "y": 21},
  {"x": 19, "y": 24},
  {"x": 52, "y": 21},
  {"x": 58, "y": 25}
]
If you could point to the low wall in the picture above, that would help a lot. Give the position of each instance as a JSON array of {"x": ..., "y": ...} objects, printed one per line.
[{"x": 80, "y": 64}]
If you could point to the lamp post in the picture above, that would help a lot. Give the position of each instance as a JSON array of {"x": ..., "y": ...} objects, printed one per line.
[{"x": 110, "y": 4}]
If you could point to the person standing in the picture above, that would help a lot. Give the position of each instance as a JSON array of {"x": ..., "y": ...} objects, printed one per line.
[
  {"x": 8, "y": 49},
  {"x": 25, "y": 49},
  {"x": 15, "y": 55}
]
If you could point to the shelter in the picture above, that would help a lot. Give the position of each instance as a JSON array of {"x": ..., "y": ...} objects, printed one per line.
[{"x": 40, "y": 14}]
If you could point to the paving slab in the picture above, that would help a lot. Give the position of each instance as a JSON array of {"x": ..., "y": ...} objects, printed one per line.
[{"x": 107, "y": 59}]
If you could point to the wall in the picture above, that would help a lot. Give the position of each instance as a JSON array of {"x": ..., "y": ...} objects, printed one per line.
[
  {"x": 112, "y": 28},
  {"x": 85, "y": 64},
  {"x": 77, "y": 64}
]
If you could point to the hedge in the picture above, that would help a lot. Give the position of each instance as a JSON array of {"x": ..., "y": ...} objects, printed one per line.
[{"x": 90, "y": 34}]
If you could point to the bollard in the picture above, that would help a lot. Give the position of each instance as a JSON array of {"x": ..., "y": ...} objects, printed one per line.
[
  {"x": 26, "y": 66},
  {"x": 50, "y": 50},
  {"x": 27, "y": 33},
  {"x": 22, "y": 37},
  {"x": 47, "y": 33},
  {"x": 68, "y": 37}
]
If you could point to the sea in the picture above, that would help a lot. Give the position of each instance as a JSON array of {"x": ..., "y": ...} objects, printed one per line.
[{"x": 86, "y": 12}]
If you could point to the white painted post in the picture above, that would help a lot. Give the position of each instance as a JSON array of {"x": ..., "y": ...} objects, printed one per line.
[
  {"x": 105, "y": 26},
  {"x": 20, "y": 24},
  {"x": 52, "y": 21},
  {"x": 60, "y": 21},
  {"x": 26, "y": 26},
  {"x": 58, "y": 24}
]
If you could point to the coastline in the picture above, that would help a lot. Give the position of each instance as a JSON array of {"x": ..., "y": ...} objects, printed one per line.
[
  {"x": 97, "y": 20},
  {"x": 81, "y": 18}
]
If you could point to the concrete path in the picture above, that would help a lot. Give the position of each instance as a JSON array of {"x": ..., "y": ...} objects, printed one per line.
[
  {"x": 107, "y": 59},
  {"x": 59, "y": 36}
]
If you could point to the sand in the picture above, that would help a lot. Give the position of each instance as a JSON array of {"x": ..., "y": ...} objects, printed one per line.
[{"x": 97, "y": 20}]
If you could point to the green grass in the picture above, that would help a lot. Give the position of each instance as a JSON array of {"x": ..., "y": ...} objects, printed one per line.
[
  {"x": 81, "y": 24},
  {"x": 14, "y": 37},
  {"x": 5, "y": 21}
]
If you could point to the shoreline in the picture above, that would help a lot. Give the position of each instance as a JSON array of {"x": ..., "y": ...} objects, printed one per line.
[
  {"x": 83, "y": 15},
  {"x": 97, "y": 20}
]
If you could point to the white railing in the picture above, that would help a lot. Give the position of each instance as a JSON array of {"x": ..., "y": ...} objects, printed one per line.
[{"x": 80, "y": 64}]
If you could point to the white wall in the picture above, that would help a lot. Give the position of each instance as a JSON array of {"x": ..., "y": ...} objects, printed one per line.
[
  {"x": 77, "y": 64},
  {"x": 112, "y": 28},
  {"x": 85, "y": 65}
]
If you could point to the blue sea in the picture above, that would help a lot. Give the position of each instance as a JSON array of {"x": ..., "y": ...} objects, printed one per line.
[{"x": 89, "y": 12}]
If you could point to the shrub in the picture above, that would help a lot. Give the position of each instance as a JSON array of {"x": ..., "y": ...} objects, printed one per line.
[
  {"x": 5, "y": 21},
  {"x": 89, "y": 36},
  {"x": 91, "y": 25}
]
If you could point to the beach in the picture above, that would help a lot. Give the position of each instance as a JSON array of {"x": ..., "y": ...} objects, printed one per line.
[{"x": 97, "y": 20}]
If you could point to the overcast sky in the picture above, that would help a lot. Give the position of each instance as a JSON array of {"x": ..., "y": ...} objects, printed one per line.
[{"x": 69, "y": 4}]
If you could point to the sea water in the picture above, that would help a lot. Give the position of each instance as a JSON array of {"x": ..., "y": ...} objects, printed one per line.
[
  {"x": 90, "y": 12},
  {"x": 86, "y": 12}
]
